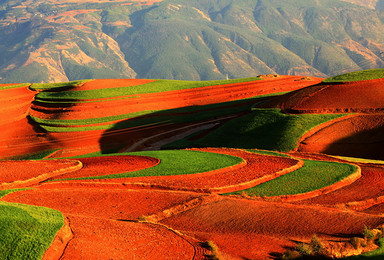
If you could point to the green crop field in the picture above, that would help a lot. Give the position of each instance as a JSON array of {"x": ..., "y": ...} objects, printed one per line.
[
  {"x": 15, "y": 86},
  {"x": 312, "y": 176},
  {"x": 267, "y": 129},
  {"x": 152, "y": 87},
  {"x": 26, "y": 231},
  {"x": 177, "y": 163},
  {"x": 357, "y": 76}
]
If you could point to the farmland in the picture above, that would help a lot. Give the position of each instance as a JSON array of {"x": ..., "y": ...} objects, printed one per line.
[{"x": 159, "y": 169}]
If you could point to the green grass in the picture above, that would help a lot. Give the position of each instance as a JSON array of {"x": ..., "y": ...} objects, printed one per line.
[
  {"x": 15, "y": 86},
  {"x": 27, "y": 231},
  {"x": 152, "y": 87},
  {"x": 266, "y": 152},
  {"x": 312, "y": 176},
  {"x": 359, "y": 160},
  {"x": 56, "y": 86},
  {"x": 267, "y": 129},
  {"x": 377, "y": 254},
  {"x": 177, "y": 163},
  {"x": 357, "y": 76}
]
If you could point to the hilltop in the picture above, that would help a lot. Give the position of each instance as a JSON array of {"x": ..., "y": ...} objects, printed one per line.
[{"x": 57, "y": 41}]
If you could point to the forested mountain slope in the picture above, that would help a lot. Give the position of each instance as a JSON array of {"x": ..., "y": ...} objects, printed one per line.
[{"x": 54, "y": 41}]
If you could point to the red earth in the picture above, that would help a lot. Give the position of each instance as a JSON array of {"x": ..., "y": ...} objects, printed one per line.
[
  {"x": 110, "y": 165},
  {"x": 170, "y": 99},
  {"x": 179, "y": 212},
  {"x": 103, "y": 214},
  {"x": 357, "y": 135},
  {"x": 24, "y": 173},
  {"x": 281, "y": 221},
  {"x": 256, "y": 169},
  {"x": 359, "y": 96},
  {"x": 26, "y": 137}
]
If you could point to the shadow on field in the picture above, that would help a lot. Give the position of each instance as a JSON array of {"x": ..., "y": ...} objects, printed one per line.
[
  {"x": 366, "y": 144},
  {"x": 129, "y": 131}
]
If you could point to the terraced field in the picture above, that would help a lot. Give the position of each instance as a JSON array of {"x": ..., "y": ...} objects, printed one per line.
[{"x": 83, "y": 176}]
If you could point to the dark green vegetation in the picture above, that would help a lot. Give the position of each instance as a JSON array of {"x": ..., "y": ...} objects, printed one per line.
[
  {"x": 178, "y": 163},
  {"x": 27, "y": 231},
  {"x": 357, "y": 76},
  {"x": 312, "y": 176},
  {"x": 152, "y": 87},
  {"x": 267, "y": 129},
  {"x": 190, "y": 40}
]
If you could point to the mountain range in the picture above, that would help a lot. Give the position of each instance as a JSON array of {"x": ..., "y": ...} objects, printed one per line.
[{"x": 56, "y": 40}]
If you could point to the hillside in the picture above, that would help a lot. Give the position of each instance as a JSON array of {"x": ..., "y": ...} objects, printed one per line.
[
  {"x": 56, "y": 41},
  {"x": 85, "y": 172}
]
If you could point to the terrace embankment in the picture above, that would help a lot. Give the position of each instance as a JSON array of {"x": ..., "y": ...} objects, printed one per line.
[
  {"x": 358, "y": 97},
  {"x": 266, "y": 222},
  {"x": 255, "y": 169},
  {"x": 119, "y": 105},
  {"x": 16, "y": 174},
  {"x": 359, "y": 135},
  {"x": 78, "y": 124},
  {"x": 16, "y": 101},
  {"x": 95, "y": 166},
  {"x": 106, "y": 219}
]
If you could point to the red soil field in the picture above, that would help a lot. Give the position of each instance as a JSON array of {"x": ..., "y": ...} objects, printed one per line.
[
  {"x": 97, "y": 238},
  {"x": 103, "y": 202},
  {"x": 376, "y": 209},
  {"x": 98, "y": 218},
  {"x": 360, "y": 96},
  {"x": 246, "y": 246},
  {"x": 172, "y": 99},
  {"x": 20, "y": 138},
  {"x": 358, "y": 135},
  {"x": 256, "y": 169},
  {"x": 279, "y": 220},
  {"x": 24, "y": 137},
  {"x": 24, "y": 173},
  {"x": 111, "y": 165},
  {"x": 15, "y": 103}
]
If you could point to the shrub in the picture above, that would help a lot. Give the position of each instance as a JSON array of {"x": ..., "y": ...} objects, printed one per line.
[
  {"x": 304, "y": 249},
  {"x": 211, "y": 246},
  {"x": 369, "y": 234},
  {"x": 357, "y": 242},
  {"x": 316, "y": 245}
]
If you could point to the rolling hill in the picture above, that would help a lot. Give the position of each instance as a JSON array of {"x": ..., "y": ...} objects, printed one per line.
[
  {"x": 255, "y": 171},
  {"x": 56, "y": 41}
]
